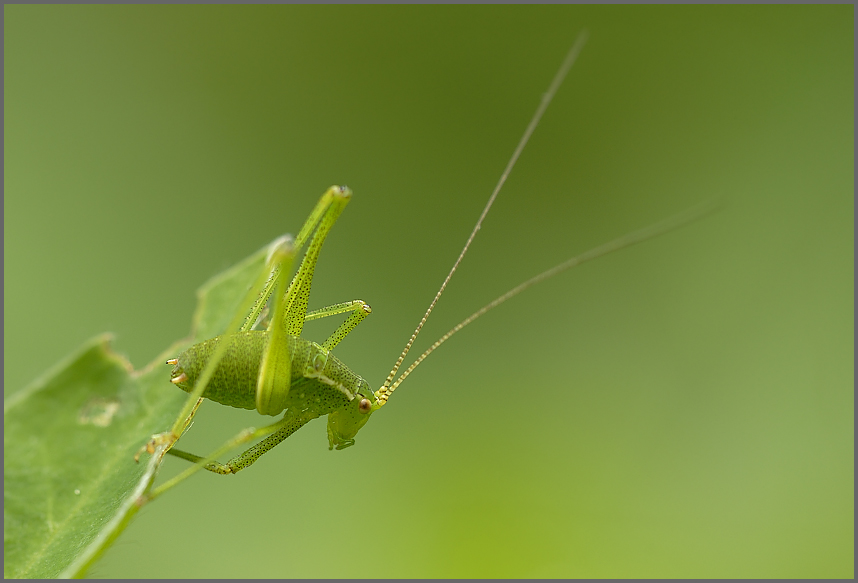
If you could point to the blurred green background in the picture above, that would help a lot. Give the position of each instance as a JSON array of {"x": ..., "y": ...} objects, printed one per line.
[{"x": 683, "y": 408}]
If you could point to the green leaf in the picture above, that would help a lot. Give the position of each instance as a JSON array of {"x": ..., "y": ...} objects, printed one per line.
[{"x": 71, "y": 485}]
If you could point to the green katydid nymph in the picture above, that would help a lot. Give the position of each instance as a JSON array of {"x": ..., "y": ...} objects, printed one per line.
[{"x": 274, "y": 370}]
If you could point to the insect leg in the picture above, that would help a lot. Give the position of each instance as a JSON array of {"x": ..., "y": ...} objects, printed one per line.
[
  {"x": 309, "y": 225},
  {"x": 168, "y": 437},
  {"x": 281, "y": 430},
  {"x": 275, "y": 371},
  {"x": 299, "y": 289},
  {"x": 359, "y": 310},
  {"x": 290, "y": 308},
  {"x": 334, "y": 310}
]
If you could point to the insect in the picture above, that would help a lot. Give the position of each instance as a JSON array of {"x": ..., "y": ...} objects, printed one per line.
[{"x": 274, "y": 370}]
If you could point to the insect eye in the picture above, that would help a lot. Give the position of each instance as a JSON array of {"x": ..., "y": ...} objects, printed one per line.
[{"x": 364, "y": 406}]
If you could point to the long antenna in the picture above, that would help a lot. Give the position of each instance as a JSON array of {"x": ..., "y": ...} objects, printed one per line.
[
  {"x": 384, "y": 392},
  {"x": 664, "y": 226}
]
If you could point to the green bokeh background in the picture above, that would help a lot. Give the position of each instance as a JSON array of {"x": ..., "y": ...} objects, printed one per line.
[{"x": 683, "y": 408}]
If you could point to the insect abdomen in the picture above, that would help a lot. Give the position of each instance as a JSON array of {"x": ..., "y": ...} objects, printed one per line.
[
  {"x": 321, "y": 385},
  {"x": 234, "y": 380}
]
